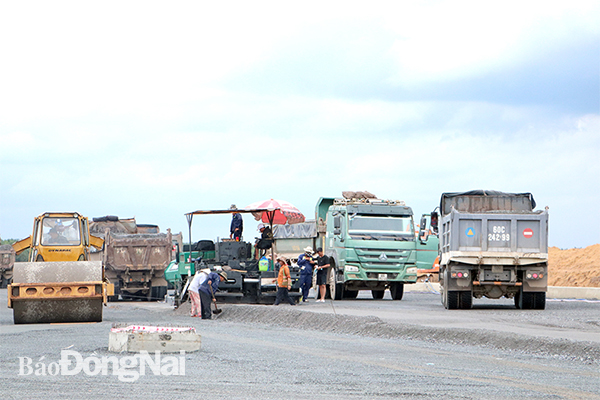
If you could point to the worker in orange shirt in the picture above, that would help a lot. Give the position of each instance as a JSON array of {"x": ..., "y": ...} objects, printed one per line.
[{"x": 284, "y": 283}]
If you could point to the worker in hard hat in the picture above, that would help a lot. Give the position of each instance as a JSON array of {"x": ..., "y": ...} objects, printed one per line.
[
  {"x": 237, "y": 225},
  {"x": 265, "y": 241},
  {"x": 306, "y": 262}
]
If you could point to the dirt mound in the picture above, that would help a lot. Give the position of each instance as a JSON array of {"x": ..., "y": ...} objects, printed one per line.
[{"x": 574, "y": 267}]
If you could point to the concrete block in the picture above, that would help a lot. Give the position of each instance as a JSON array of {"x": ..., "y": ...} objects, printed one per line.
[
  {"x": 562, "y": 292},
  {"x": 135, "y": 338}
]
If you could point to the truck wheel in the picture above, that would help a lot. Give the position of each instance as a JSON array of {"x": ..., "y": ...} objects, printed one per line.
[
  {"x": 526, "y": 300},
  {"x": 339, "y": 291},
  {"x": 336, "y": 290},
  {"x": 466, "y": 300},
  {"x": 157, "y": 293},
  {"x": 397, "y": 291},
  {"x": 378, "y": 294},
  {"x": 350, "y": 294},
  {"x": 443, "y": 291},
  {"x": 518, "y": 300},
  {"x": 452, "y": 299},
  {"x": 539, "y": 301}
]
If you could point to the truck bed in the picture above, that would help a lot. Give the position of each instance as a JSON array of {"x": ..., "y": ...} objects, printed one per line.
[{"x": 497, "y": 237}]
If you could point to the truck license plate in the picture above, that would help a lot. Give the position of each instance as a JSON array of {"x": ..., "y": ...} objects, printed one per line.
[{"x": 383, "y": 277}]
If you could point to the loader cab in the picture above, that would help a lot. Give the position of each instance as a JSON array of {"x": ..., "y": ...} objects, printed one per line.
[{"x": 60, "y": 237}]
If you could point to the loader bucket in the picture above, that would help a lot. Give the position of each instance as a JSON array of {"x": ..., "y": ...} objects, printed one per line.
[{"x": 47, "y": 292}]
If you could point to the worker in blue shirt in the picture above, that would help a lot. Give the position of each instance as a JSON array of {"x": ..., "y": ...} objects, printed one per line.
[
  {"x": 237, "y": 225},
  {"x": 305, "y": 262},
  {"x": 208, "y": 288}
]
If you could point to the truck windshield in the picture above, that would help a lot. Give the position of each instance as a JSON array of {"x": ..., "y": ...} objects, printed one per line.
[
  {"x": 61, "y": 231},
  {"x": 381, "y": 227}
]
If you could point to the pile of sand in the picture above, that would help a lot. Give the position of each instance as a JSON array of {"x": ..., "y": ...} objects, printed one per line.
[{"x": 574, "y": 267}]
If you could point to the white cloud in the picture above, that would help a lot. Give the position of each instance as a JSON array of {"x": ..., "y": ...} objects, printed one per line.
[
  {"x": 121, "y": 107},
  {"x": 448, "y": 40}
]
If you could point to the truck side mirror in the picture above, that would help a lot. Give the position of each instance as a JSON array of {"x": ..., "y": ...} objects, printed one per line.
[
  {"x": 337, "y": 225},
  {"x": 423, "y": 231}
]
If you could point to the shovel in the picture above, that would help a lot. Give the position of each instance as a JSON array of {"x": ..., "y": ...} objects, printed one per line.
[{"x": 217, "y": 310}]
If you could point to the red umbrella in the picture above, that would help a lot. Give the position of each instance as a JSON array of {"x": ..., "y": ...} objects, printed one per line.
[{"x": 284, "y": 212}]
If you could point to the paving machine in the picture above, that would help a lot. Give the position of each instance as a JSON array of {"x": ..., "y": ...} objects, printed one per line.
[
  {"x": 246, "y": 282},
  {"x": 59, "y": 283}
]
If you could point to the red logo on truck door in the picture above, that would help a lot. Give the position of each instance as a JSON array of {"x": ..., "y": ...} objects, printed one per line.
[{"x": 528, "y": 233}]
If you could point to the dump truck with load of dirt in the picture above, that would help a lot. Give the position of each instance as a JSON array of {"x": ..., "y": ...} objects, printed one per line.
[
  {"x": 493, "y": 244},
  {"x": 59, "y": 283},
  {"x": 371, "y": 244},
  {"x": 135, "y": 257},
  {"x": 7, "y": 261}
]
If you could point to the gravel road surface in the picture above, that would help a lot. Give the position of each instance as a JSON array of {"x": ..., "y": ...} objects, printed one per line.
[{"x": 362, "y": 349}]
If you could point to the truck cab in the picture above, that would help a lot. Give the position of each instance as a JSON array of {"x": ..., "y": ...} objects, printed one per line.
[{"x": 371, "y": 243}]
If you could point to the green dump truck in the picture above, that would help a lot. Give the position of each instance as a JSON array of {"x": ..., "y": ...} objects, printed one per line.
[{"x": 371, "y": 242}]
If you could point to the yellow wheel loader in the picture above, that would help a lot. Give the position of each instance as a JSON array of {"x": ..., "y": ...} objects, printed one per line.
[{"x": 59, "y": 283}]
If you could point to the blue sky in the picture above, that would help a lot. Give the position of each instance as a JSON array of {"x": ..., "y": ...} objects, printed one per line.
[{"x": 151, "y": 110}]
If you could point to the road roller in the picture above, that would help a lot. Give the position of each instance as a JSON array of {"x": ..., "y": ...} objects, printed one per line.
[{"x": 59, "y": 283}]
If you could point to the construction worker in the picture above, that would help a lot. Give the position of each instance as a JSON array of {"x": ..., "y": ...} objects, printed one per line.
[
  {"x": 305, "y": 262},
  {"x": 199, "y": 278},
  {"x": 207, "y": 291},
  {"x": 237, "y": 225},
  {"x": 323, "y": 265},
  {"x": 265, "y": 241},
  {"x": 284, "y": 283}
]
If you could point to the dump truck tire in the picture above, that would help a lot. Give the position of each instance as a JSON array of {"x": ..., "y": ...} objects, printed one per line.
[
  {"x": 157, "y": 293},
  {"x": 377, "y": 294},
  {"x": 452, "y": 299},
  {"x": 397, "y": 291},
  {"x": 334, "y": 289},
  {"x": 466, "y": 299},
  {"x": 539, "y": 302},
  {"x": 531, "y": 300},
  {"x": 526, "y": 300}
]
